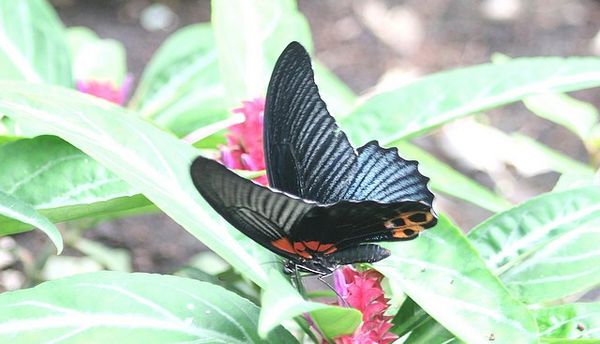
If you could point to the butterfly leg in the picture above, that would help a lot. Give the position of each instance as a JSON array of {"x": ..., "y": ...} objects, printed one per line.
[
  {"x": 297, "y": 281},
  {"x": 340, "y": 297}
]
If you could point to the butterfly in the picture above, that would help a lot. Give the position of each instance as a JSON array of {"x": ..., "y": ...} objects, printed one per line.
[{"x": 327, "y": 203}]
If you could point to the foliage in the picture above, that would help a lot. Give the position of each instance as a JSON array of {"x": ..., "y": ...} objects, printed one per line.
[{"x": 68, "y": 156}]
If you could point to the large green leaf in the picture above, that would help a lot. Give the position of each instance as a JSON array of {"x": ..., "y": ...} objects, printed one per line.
[
  {"x": 139, "y": 153},
  {"x": 409, "y": 317},
  {"x": 431, "y": 332},
  {"x": 18, "y": 210},
  {"x": 544, "y": 340},
  {"x": 544, "y": 249},
  {"x": 60, "y": 182},
  {"x": 436, "y": 99},
  {"x": 181, "y": 88},
  {"x": 32, "y": 43},
  {"x": 576, "y": 320},
  {"x": 445, "y": 276},
  {"x": 567, "y": 265},
  {"x": 250, "y": 35},
  {"x": 447, "y": 180},
  {"x": 112, "y": 307},
  {"x": 142, "y": 155}
]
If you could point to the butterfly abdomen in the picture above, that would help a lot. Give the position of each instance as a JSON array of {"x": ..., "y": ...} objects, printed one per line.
[{"x": 365, "y": 253}]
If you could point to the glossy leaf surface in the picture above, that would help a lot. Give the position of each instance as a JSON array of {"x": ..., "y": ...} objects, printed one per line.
[
  {"x": 445, "y": 276},
  {"x": 32, "y": 44},
  {"x": 439, "y": 98},
  {"x": 112, "y": 307}
]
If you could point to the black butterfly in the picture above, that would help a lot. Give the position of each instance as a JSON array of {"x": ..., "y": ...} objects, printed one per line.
[{"x": 326, "y": 201}]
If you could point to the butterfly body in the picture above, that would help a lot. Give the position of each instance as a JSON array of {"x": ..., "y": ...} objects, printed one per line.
[{"x": 326, "y": 202}]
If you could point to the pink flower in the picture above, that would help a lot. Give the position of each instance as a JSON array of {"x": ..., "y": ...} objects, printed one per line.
[
  {"x": 244, "y": 148},
  {"x": 107, "y": 90},
  {"x": 362, "y": 290}
]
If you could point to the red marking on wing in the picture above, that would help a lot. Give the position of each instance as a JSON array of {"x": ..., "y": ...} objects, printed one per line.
[
  {"x": 284, "y": 244},
  {"x": 299, "y": 246},
  {"x": 304, "y": 254},
  {"x": 312, "y": 245},
  {"x": 325, "y": 247},
  {"x": 331, "y": 250}
]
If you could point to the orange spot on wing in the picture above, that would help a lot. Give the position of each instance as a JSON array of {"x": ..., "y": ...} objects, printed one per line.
[
  {"x": 407, "y": 232},
  {"x": 284, "y": 244},
  {"x": 398, "y": 234}
]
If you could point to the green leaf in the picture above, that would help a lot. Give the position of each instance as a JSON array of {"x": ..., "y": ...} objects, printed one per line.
[
  {"x": 544, "y": 248},
  {"x": 61, "y": 182},
  {"x": 575, "y": 115},
  {"x": 141, "y": 154},
  {"x": 250, "y": 35},
  {"x": 447, "y": 180},
  {"x": 32, "y": 43},
  {"x": 568, "y": 265},
  {"x": 445, "y": 276},
  {"x": 96, "y": 59},
  {"x": 281, "y": 302},
  {"x": 181, "y": 88},
  {"x": 14, "y": 208},
  {"x": 439, "y": 98},
  {"x": 113, "y": 307},
  {"x": 568, "y": 341},
  {"x": 409, "y": 317},
  {"x": 576, "y": 320},
  {"x": 431, "y": 332}
]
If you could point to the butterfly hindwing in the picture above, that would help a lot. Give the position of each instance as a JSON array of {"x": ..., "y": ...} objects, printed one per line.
[
  {"x": 264, "y": 215},
  {"x": 384, "y": 176},
  {"x": 306, "y": 153},
  {"x": 348, "y": 224}
]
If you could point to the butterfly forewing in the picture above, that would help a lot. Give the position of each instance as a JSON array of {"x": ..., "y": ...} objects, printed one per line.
[
  {"x": 262, "y": 214},
  {"x": 306, "y": 153}
]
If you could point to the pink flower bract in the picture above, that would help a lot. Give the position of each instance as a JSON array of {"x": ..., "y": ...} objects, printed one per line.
[
  {"x": 362, "y": 290},
  {"x": 244, "y": 149},
  {"x": 106, "y": 89}
]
